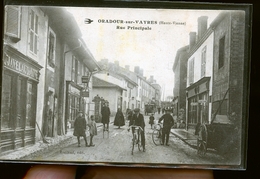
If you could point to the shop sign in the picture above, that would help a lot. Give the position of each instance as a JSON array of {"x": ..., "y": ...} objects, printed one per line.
[
  {"x": 202, "y": 101},
  {"x": 85, "y": 79},
  {"x": 20, "y": 67},
  {"x": 194, "y": 104},
  {"x": 85, "y": 93}
]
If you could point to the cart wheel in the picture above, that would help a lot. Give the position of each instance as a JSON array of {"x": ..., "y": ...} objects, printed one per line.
[{"x": 202, "y": 140}]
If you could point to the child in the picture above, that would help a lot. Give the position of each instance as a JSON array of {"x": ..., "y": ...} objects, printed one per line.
[
  {"x": 151, "y": 120},
  {"x": 92, "y": 129}
]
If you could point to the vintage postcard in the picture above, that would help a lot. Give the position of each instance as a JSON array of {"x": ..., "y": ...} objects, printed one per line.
[{"x": 164, "y": 87}]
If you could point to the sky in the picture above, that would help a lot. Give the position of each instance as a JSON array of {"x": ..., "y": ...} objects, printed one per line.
[{"x": 153, "y": 50}]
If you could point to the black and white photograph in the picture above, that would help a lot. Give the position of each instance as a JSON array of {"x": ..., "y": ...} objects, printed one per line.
[{"x": 160, "y": 87}]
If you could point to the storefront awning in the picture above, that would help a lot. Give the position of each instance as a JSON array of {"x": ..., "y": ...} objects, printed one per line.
[{"x": 199, "y": 87}]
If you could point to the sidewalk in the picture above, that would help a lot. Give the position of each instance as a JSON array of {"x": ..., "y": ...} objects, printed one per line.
[
  {"x": 39, "y": 147},
  {"x": 186, "y": 137}
]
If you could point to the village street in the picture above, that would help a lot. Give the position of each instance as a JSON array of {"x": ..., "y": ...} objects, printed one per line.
[{"x": 117, "y": 149}]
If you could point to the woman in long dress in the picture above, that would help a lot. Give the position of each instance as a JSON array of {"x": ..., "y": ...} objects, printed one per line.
[{"x": 119, "y": 119}]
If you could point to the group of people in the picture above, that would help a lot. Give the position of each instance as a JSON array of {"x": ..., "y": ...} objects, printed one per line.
[
  {"x": 80, "y": 127},
  {"x": 134, "y": 117}
]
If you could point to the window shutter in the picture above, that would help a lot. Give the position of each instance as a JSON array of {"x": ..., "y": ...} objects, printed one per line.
[{"x": 12, "y": 26}]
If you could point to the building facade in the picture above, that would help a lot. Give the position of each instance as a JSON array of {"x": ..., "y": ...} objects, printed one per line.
[
  {"x": 180, "y": 79},
  {"x": 25, "y": 38},
  {"x": 199, "y": 76},
  {"x": 39, "y": 51},
  {"x": 229, "y": 42}
]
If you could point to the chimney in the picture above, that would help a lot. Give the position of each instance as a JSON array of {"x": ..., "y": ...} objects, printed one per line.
[
  {"x": 136, "y": 70},
  {"x": 192, "y": 39},
  {"x": 105, "y": 61},
  {"x": 151, "y": 79},
  {"x": 202, "y": 25},
  {"x": 141, "y": 72},
  {"x": 127, "y": 67},
  {"x": 111, "y": 66},
  {"x": 104, "y": 64},
  {"x": 116, "y": 63}
]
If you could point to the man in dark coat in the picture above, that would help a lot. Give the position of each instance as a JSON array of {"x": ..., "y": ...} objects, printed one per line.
[
  {"x": 138, "y": 120},
  {"x": 105, "y": 112},
  {"x": 80, "y": 128},
  {"x": 167, "y": 124}
]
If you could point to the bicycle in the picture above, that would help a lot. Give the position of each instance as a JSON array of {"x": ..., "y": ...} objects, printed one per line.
[
  {"x": 136, "y": 137},
  {"x": 157, "y": 134}
]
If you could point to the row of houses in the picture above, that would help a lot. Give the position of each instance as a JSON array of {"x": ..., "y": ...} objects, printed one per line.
[
  {"x": 209, "y": 71},
  {"x": 49, "y": 75},
  {"x": 125, "y": 89}
]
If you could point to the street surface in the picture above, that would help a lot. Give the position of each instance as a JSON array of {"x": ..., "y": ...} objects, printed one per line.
[{"x": 117, "y": 148}]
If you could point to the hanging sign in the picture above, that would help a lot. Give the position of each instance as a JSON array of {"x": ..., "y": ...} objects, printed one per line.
[{"x": 85, "y": 79}]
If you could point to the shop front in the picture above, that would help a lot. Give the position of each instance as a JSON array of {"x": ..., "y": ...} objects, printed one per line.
[
  {"x": 74, "y": 103},
  {"x": 198, "y": 102},
  {"x": 20, "y": 78}
]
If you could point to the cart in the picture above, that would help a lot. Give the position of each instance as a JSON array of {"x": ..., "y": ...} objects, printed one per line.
[
  {"x": 220, "y": 135},
  {"x": 149, "y": 108}
]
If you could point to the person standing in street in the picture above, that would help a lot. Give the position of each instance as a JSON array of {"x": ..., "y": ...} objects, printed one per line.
[
  {"x": 168, "y": 122},
  {"x": 138, "y": 120},
  {"x": 105, "y": 112},
  {"x": 80, "y": 125},
  {"x": 151, "y": 120},
  {"x": 92, "y": 130},
  {"x": 159, "y": 110},
  {"x": 119, "y": 118}
]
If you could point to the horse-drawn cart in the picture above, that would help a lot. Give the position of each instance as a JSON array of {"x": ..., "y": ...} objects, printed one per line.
[{"x": 221, "y": 135}]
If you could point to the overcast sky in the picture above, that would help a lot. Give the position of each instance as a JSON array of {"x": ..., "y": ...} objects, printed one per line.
[{"x": 153, "y": 50}]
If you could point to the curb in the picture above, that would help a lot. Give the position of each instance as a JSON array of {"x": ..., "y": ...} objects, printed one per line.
[
  {"x": 40, "y": 147},
  {"x": 186, "y": 141}
]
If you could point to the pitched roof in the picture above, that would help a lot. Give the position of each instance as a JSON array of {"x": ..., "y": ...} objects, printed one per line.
[{"x": 98, "y": 83}]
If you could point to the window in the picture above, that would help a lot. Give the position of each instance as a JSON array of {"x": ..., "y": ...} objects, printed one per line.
[
  {"x": 79, "y": 72},
  {"x": 221, "y": 52},
  {"x": 126, "y": 92},
  {"x": 191, "y": 71},
  {"x": 33, "y": 32},
  {"x": 13, "y": 22},
  {"x": 192, "y": 110},
  {"x": 20, "y": 100},
  {"x": 74, "y": 69},
  {"x": 203, "y": 62},
  {"x": 6, "y": 101},
  {"x": 51, "y": 48},
  {"x": 30, "y": 105}
]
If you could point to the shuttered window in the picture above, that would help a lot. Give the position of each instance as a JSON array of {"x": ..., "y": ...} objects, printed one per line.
[
  {"x": 191, "y": 71},
  {"x": 221, "y": 52},
  {"x": 203, "y": 62},
  {"x": 51, "y": 48},
  {"x": 13, "y": 22},
  {"x": 33, "y": 32}
]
